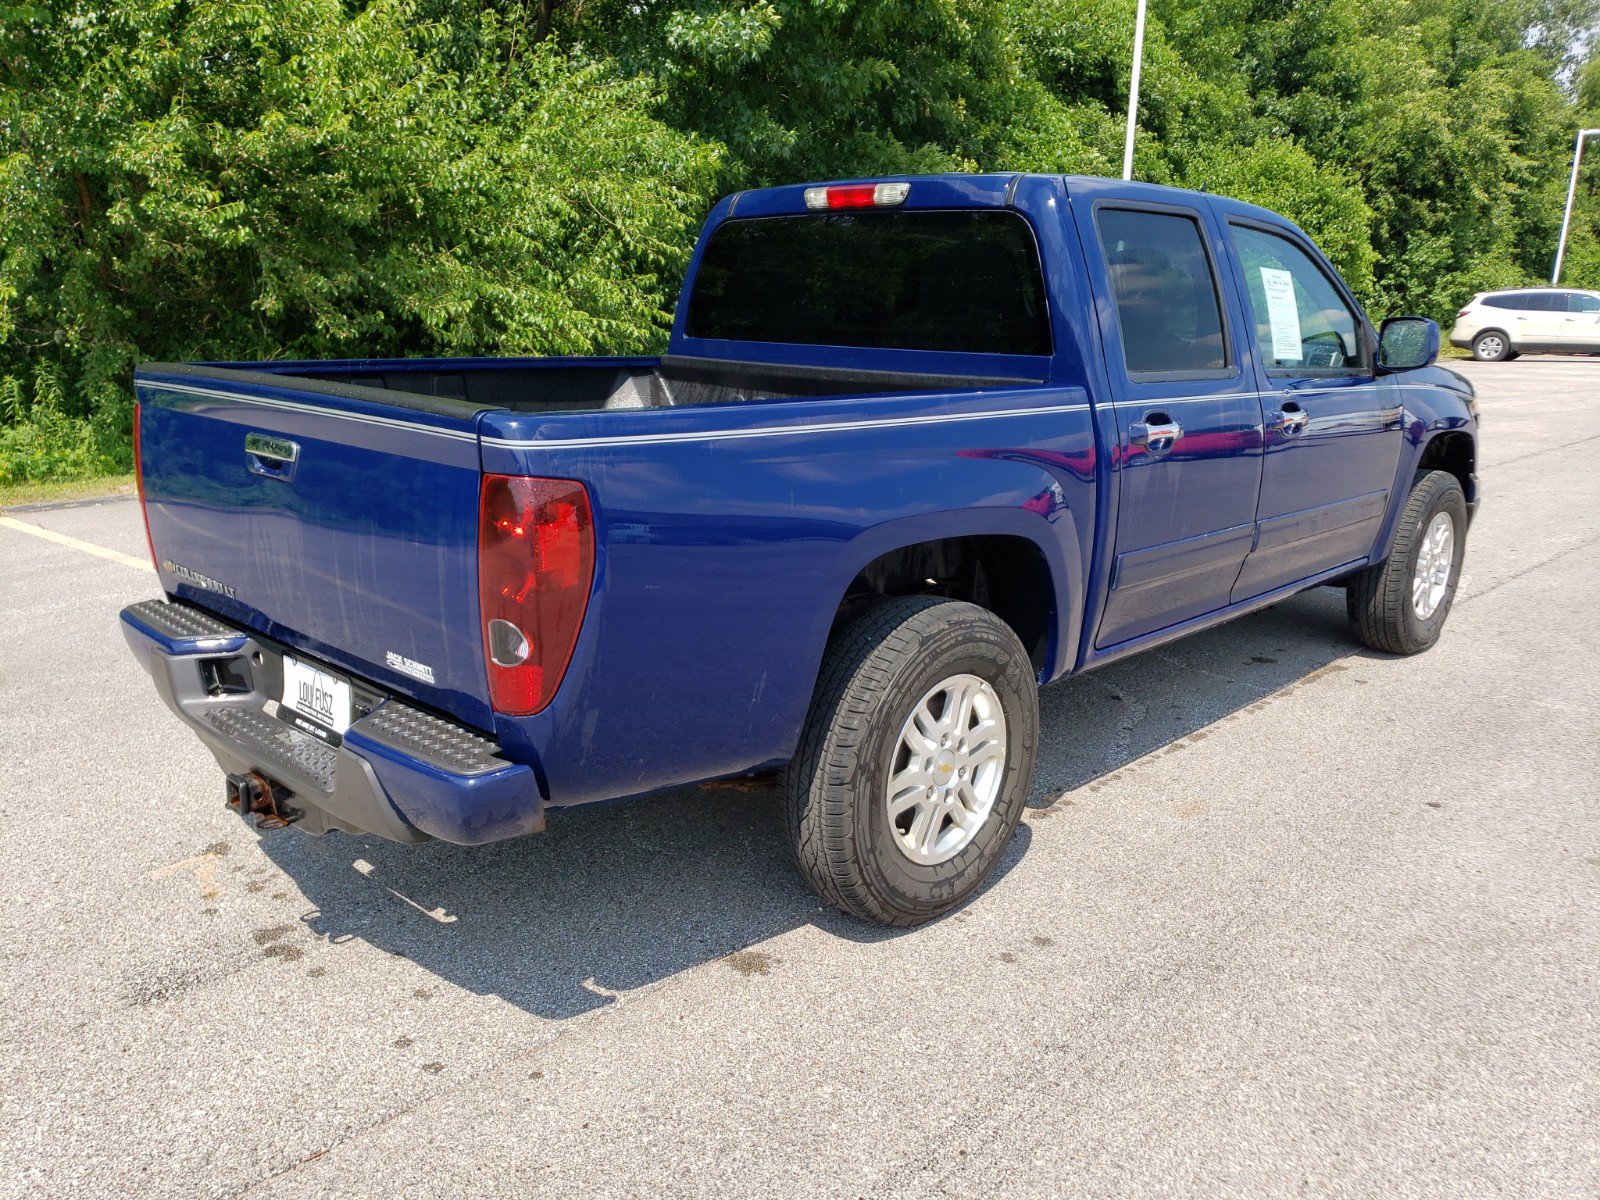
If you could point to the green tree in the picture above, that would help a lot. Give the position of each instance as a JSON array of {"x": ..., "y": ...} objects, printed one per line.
[
  {"x": 815, "y": 89},
  {"x": 238, "y": 180},
  {"x": 314, "y": 178},
  {"x": 1449, "y": 114}
]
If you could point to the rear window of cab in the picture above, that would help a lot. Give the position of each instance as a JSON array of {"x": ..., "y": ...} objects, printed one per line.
[{"x": 925, "y": 279}]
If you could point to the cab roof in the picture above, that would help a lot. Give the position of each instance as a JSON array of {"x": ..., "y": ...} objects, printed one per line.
[{"x": 960, "y": 190}]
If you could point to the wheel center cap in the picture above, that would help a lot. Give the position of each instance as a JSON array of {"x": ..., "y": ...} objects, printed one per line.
[{"x": 944, "y": 767}]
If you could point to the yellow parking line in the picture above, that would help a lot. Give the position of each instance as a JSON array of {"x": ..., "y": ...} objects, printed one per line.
[{"x": 50, "y": 535}]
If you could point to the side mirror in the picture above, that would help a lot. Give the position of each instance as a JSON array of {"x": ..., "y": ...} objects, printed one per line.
[{"x": 1406, "y": 343}]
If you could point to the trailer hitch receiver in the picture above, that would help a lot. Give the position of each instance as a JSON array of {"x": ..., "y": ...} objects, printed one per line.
[{"x": 254, "y": 793}]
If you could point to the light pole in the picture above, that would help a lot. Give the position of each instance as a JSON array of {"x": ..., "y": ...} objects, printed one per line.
[
  {"x": 1572, "y": 190},
  {"x": 1133, "y": 92}
]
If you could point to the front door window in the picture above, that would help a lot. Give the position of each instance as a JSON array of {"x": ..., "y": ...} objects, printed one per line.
[{"x": 1302, "y": 322}]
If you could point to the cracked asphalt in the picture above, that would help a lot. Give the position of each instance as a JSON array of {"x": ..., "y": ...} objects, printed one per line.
[{"x": 1284, "y": 917}]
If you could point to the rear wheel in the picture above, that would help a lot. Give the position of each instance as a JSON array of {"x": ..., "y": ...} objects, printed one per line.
[
  {"x": 1400, "y": 604},
  {"x": 915, "y": 761},
  {"x": 1491, "y": 346}
]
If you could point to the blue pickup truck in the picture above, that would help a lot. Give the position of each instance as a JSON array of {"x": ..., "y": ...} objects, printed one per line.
[{"x": 918, "y": 445}]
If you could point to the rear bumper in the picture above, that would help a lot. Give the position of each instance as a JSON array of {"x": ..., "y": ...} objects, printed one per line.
[{"x": 399, "y": 772}]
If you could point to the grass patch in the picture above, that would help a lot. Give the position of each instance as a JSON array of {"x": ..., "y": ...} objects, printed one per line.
[{"x": 13, "y": 495}]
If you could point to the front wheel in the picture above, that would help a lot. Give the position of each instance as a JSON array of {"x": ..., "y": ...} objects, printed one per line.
[
  {"x": 915, "y": 761},
  {"x": 1400, "y": 604}
]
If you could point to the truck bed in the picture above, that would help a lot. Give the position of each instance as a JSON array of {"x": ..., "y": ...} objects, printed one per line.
[{"x": 555, "y": 385}]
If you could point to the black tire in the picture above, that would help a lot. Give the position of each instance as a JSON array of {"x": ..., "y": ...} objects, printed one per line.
[
  {"x": 1379, "y": 599},
  {"x": 1491, "y": 346},
  {"x": 1513, "y": 355},
  {"x": 879, "y": 668}
]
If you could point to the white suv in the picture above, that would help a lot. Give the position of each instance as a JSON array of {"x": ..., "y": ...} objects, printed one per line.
[{"x": 1500, "y": 325}]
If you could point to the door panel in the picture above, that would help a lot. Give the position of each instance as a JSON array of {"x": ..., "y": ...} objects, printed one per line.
[
  {"x": 1538, "y": 321},
  {"x": 1158, "y": 586},
  {"x": 1345, "y": 454},
  {"x": 1580, "y": 324},
  {"x": 1332, "y": 427},
  {"x": 1299, "y": 544},
  {"x": 1188, "y": 420},
  {"x": 1186, "y": 515}
]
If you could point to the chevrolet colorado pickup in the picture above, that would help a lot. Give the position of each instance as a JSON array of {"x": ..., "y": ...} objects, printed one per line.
[{"x": 918, "y": 445}]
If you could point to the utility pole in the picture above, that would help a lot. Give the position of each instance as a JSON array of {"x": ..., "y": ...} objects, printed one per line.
[
  {"x": 1133, "y": 93},
  {"x": 1572, "y": 190}
]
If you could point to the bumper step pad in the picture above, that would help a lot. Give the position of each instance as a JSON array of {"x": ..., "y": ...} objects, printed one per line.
[
  {"x": 422, "y": 735},
  {"x": 180, "y": 622},
  {"x": 281, "y": 752}
]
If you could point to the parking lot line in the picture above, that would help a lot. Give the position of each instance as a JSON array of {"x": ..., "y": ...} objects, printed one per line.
[{"x": 51, "y": 535}]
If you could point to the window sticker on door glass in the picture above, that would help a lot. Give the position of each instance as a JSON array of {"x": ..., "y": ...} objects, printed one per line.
[{"x": 1283, "y": 314}]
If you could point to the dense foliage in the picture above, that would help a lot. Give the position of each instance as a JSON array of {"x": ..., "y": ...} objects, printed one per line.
[{"x": 183, "y": 179}]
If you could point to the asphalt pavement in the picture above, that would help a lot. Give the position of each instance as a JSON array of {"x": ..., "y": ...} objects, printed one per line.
[{"x": 1284, "y": 918}]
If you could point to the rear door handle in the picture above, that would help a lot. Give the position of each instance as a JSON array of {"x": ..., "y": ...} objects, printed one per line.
[{"x": 1157, "y": 433}]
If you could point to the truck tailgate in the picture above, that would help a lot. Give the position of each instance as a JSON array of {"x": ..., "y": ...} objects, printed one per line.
[{"x": 339, "y": 520}]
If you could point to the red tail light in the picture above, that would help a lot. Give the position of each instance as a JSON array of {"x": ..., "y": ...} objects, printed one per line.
[
  {"x": 138, "y": 480},
  {"x": 535, "y": 565}
]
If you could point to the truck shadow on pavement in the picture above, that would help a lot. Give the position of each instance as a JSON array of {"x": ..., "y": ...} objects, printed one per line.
[{"x": 614, "y": 898}]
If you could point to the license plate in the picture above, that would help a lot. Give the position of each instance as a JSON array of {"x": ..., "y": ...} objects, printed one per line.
[{"x": 315, "y": 695}]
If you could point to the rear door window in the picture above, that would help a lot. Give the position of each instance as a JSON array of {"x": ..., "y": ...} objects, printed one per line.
[
  {"x": 932, "y": 279},
  {"x": 1302, "y": 321},
  {"x": 1162, "y": 279},
  {"x": 1539, "y": 302},
  {"x": 1579, "y": 303},
  {"x": 1526, "y": 301}
]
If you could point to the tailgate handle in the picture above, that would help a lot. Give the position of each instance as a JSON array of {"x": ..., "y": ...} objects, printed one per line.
[{"x": 273, "y": 457}]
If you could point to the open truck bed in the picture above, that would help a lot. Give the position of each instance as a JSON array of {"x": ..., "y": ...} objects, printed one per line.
[{"x": 564, "y": 385}]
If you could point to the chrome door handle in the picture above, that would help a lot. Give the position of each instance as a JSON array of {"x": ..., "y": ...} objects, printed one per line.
[
  {"x": 1292, "y": 421},
  {"x": 1156, "y": 433},
  {"x": 274, "y": 457}
]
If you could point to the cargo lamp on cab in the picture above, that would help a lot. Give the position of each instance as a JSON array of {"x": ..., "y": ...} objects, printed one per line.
[
  {"x": 535, "y": 565},
  {"x": 858, "y": 195}
]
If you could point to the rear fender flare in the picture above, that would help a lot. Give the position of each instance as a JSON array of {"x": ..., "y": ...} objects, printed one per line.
[{"x": 1054, "y": 537}]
